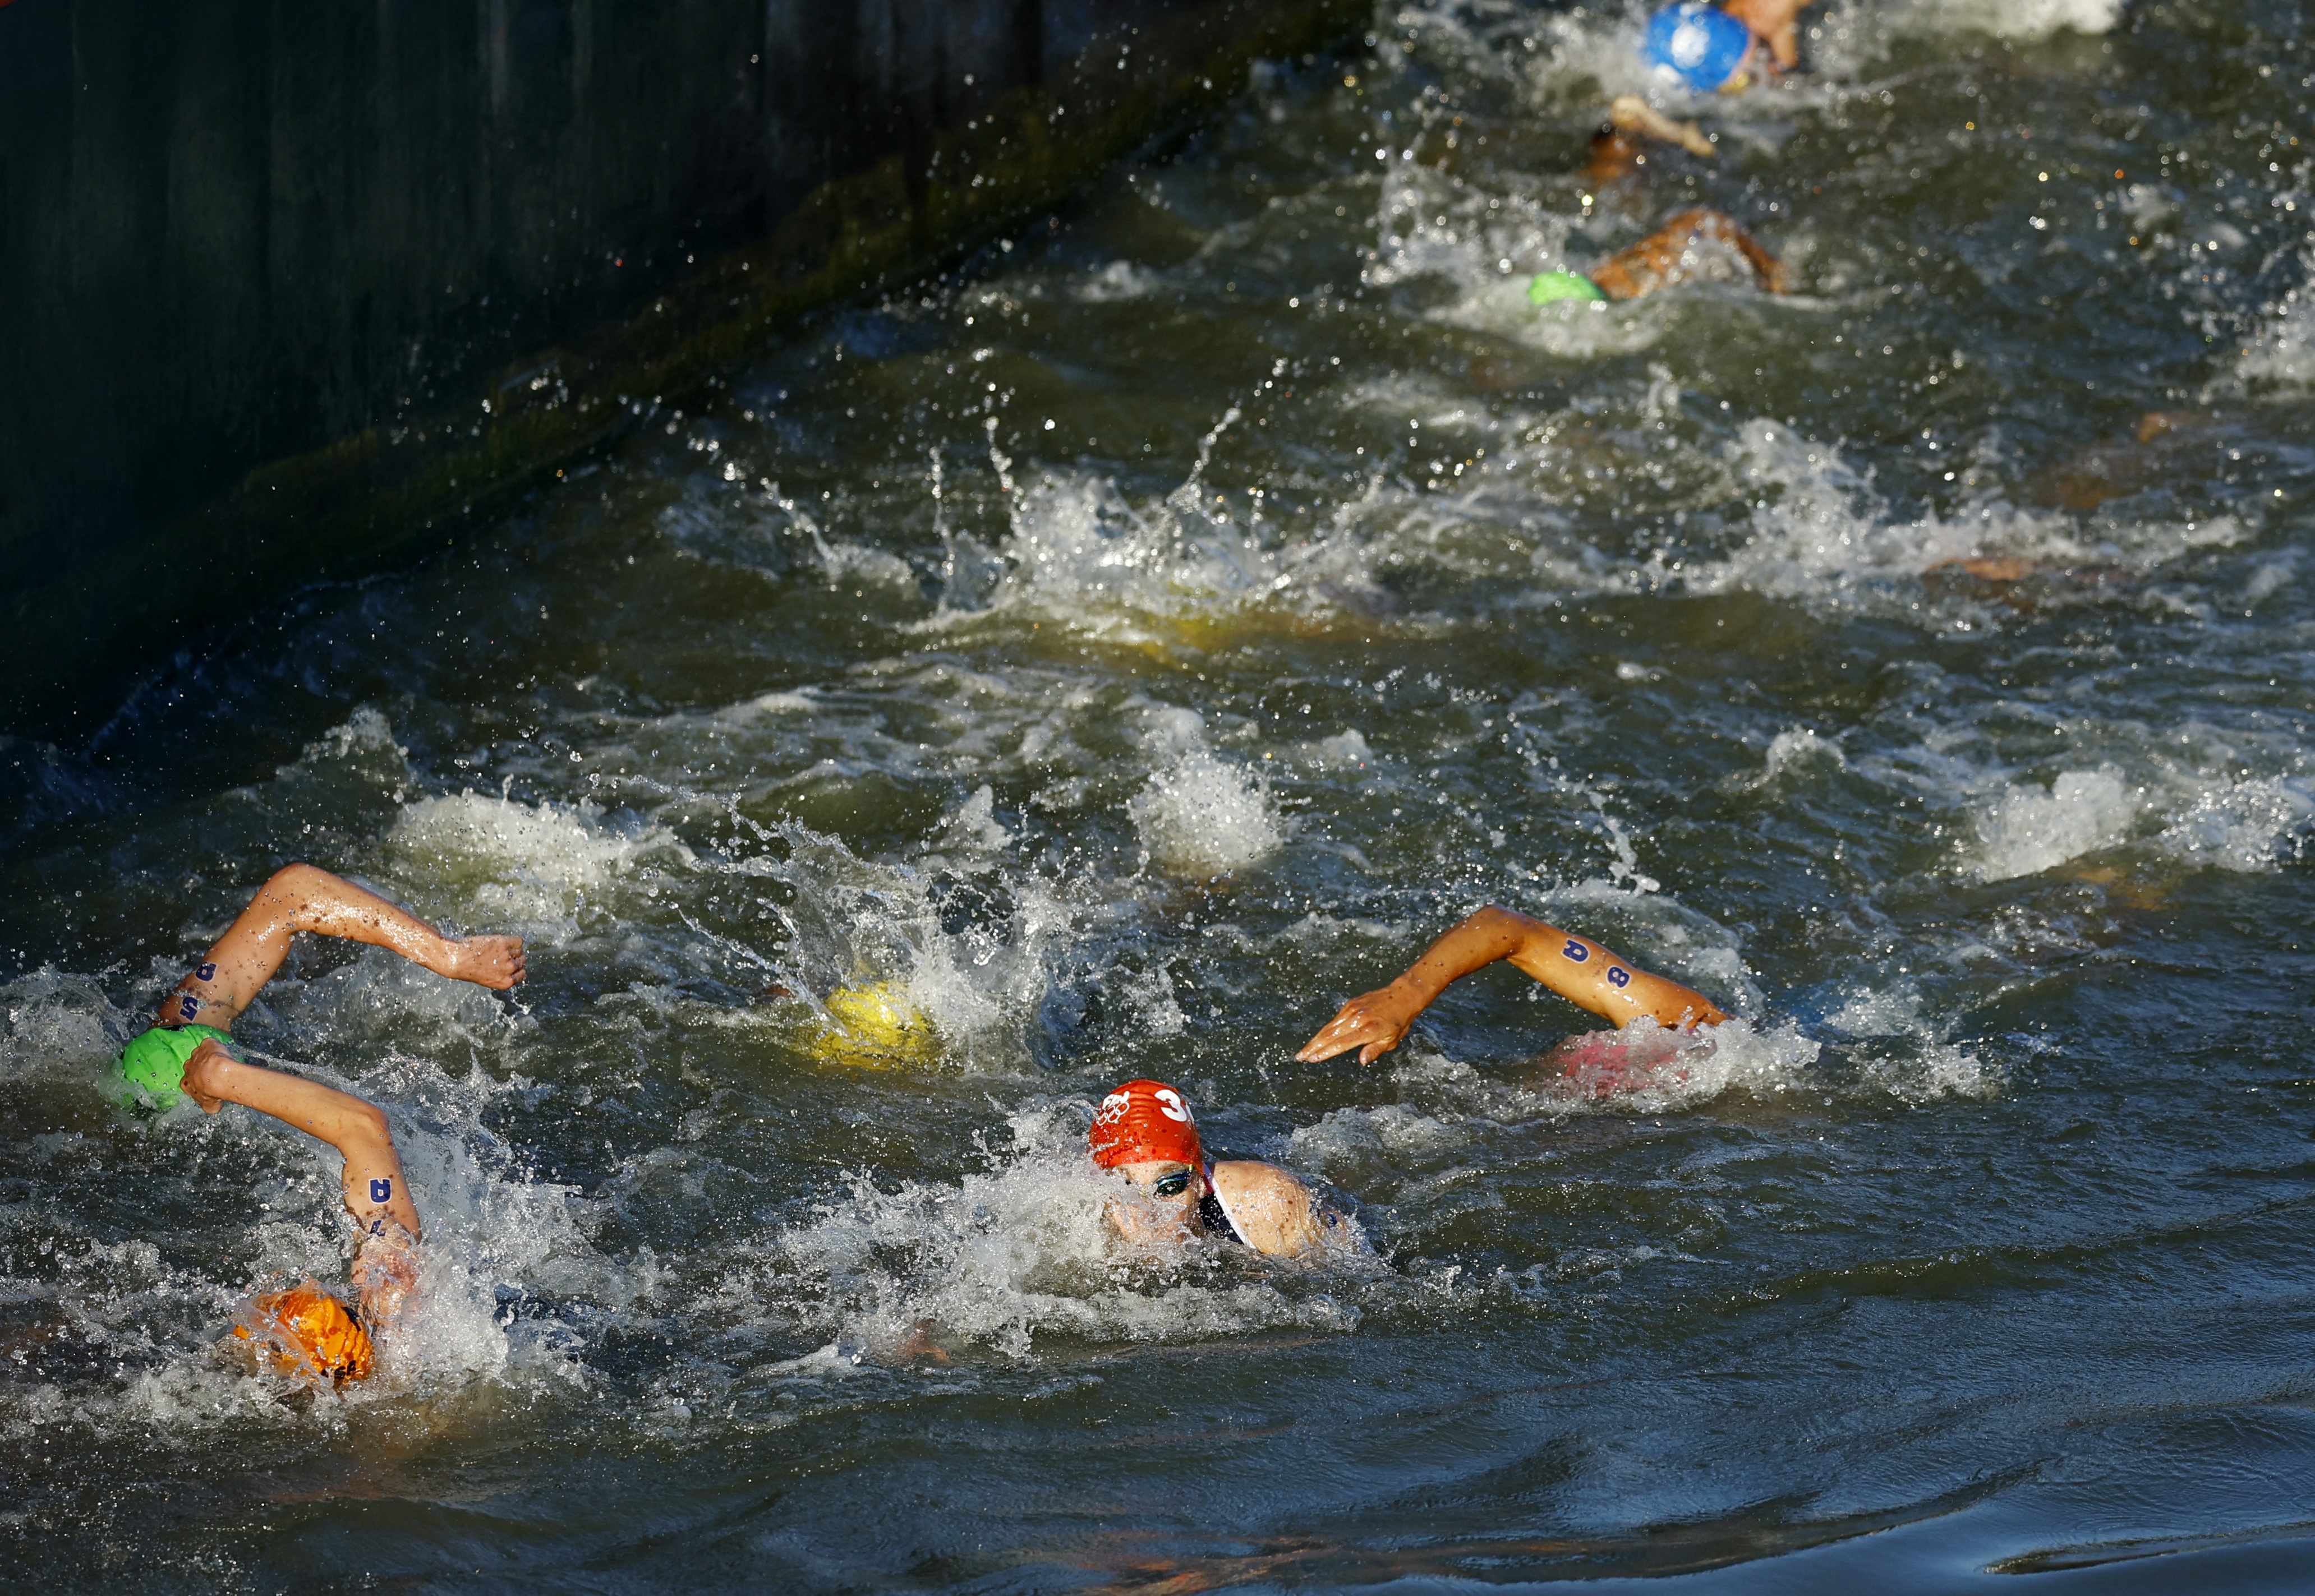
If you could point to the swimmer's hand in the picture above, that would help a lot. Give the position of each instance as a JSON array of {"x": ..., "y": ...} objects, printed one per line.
[
  {"x": 493, "y": 962},
  {"x": 1776, "y": 23},
  {"x": 203, "y": 1058},
  {"x": 386, "y": 1275},
  {"x": 1374, "y": 1024},
  {"x": 920, "y": 1347},
  {"x": 1633, "y": 114}
]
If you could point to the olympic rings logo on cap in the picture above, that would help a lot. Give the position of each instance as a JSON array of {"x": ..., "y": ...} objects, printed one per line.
[{"x": 1144, "y": 1121}]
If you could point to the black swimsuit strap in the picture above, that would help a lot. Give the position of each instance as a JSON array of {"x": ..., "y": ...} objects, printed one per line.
[{"x": 1216, "y": 1218}]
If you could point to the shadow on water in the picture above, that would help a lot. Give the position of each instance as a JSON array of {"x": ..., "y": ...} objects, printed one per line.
[{"x": 1412, "y": 1550}]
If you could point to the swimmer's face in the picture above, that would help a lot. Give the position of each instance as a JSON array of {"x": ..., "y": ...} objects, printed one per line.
[{"x": 1173, "y": 1189}]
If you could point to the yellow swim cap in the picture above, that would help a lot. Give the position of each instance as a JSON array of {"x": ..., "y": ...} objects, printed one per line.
[{"x": 876, "y": 1027}]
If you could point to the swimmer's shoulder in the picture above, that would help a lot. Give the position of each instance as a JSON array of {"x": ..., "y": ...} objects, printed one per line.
[{"x": 1272, "y": 1210}]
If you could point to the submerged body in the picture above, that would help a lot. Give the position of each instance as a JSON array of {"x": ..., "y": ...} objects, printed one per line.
[{"x": 1694, "y": 246}]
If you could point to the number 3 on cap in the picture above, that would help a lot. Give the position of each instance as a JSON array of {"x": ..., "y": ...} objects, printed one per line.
[{"x": 1170, "y": 1105}]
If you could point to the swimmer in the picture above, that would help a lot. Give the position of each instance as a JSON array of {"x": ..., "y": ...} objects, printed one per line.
[
  {"x": 1776, "y": 24},
  {"x": 190, "y": 1049},
  {"x": 1720, "y": 51},
  {"x": 1694, "y": 246},
  {"x": 1576, "y": 967},
  {"x": 1618, "y": 153},
  {"x": 2163, "y": 448},
  {"x": 1145, "y": 1133}
]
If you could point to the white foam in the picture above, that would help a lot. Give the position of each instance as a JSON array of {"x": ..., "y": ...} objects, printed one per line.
[
  {"x": 1801, "y": 745},
  {"x": 2024, "y": 829},
  {"x": 1929, "y": 1066},
  {"x": 1357, "y": 1146},
  {"x": 58, "y": 1026},
  {"x": 1596, "y": 56},
  {"x": 2241, "y": 800},
  {"x": 2251, "y": 824},
  {"x": 1821, "y": 532},
  {"x": 1080, "y": 553},
  {"x": 519, "y": 865},
  {"x": 1201, "y": 815},
  {"x": 1847, "y": 43},
  {"x": 2004, "y": 19},
  {"x": 484, "y": 1229},
  {"x": 1706, "y": 1064},
  {"x": 856, "y": 922},
  {"x": 1344, "y": 750},
  {"x": 1023, "y": 1251},
  {"x": 1118, "y": 281},
  {"x": 973, "y": 832},
  {"x": 2279, "y": 351}
]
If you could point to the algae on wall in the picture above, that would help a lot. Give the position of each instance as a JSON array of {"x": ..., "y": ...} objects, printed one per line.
[{"x": 285, "y": 291}]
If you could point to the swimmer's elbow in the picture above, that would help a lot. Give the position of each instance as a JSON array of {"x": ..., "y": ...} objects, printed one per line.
[
  {"x": 296, "y": 879},
  {"x": 1494, "y": 917},
  {"x": 365, "y": 1123}
]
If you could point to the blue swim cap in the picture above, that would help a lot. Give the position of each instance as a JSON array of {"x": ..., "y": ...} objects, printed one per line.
[{"x": 1701, "y": 44}]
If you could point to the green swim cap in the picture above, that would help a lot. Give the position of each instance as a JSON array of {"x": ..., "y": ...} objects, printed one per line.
[
  {"x": 1549, "y": 287},
  {"x": 152, "y": 1065}
]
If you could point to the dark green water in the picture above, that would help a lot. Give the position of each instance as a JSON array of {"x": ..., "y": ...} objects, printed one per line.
[{"x": 1127, "y": 649}]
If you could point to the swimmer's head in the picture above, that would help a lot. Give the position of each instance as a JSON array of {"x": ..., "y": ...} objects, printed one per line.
[
  {"x": 1552, "y": 288},
  {"x": 1144, "y": 1120},
  {"x": 1144, "y": 1131},
  {"x": 1549, "y": 287},
  {"x": 307, "y": 1333},
  {"x": 1700, "y": 47}
]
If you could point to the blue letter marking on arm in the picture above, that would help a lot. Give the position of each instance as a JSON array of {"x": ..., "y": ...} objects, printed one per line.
[{"x": 381, "y": 1191}]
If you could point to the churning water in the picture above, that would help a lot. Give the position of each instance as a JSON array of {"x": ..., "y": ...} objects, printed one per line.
[{"x": 1101, "y": 662}]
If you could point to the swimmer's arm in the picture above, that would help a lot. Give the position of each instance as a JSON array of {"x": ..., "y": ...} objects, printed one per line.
[
  {"x": 1273, "y": 1212},
  {"x": 375, "y": 1194},
  {"x": 1633, "y": 114},
  {"x": 1773, "y": 275},
  {"x": 305, "y": 898},
  {"x": 1776, "y": 23},
  {"x": 1576, "y": 967}
]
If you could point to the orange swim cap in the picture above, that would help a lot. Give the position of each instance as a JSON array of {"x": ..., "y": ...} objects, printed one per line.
[
  {"x": 1145, "y": 1122},
  {"x": 307, "y": 1332}
]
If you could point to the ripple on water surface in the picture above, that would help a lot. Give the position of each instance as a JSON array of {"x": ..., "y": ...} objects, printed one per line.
[{"x": 1102, "y": 661}]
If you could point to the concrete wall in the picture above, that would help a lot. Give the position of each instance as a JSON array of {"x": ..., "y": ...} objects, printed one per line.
[{"x": 260, "y": 262}]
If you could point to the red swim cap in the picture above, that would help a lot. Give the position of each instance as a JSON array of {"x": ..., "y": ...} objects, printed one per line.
[{"x": 1145, "y": 1122}]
